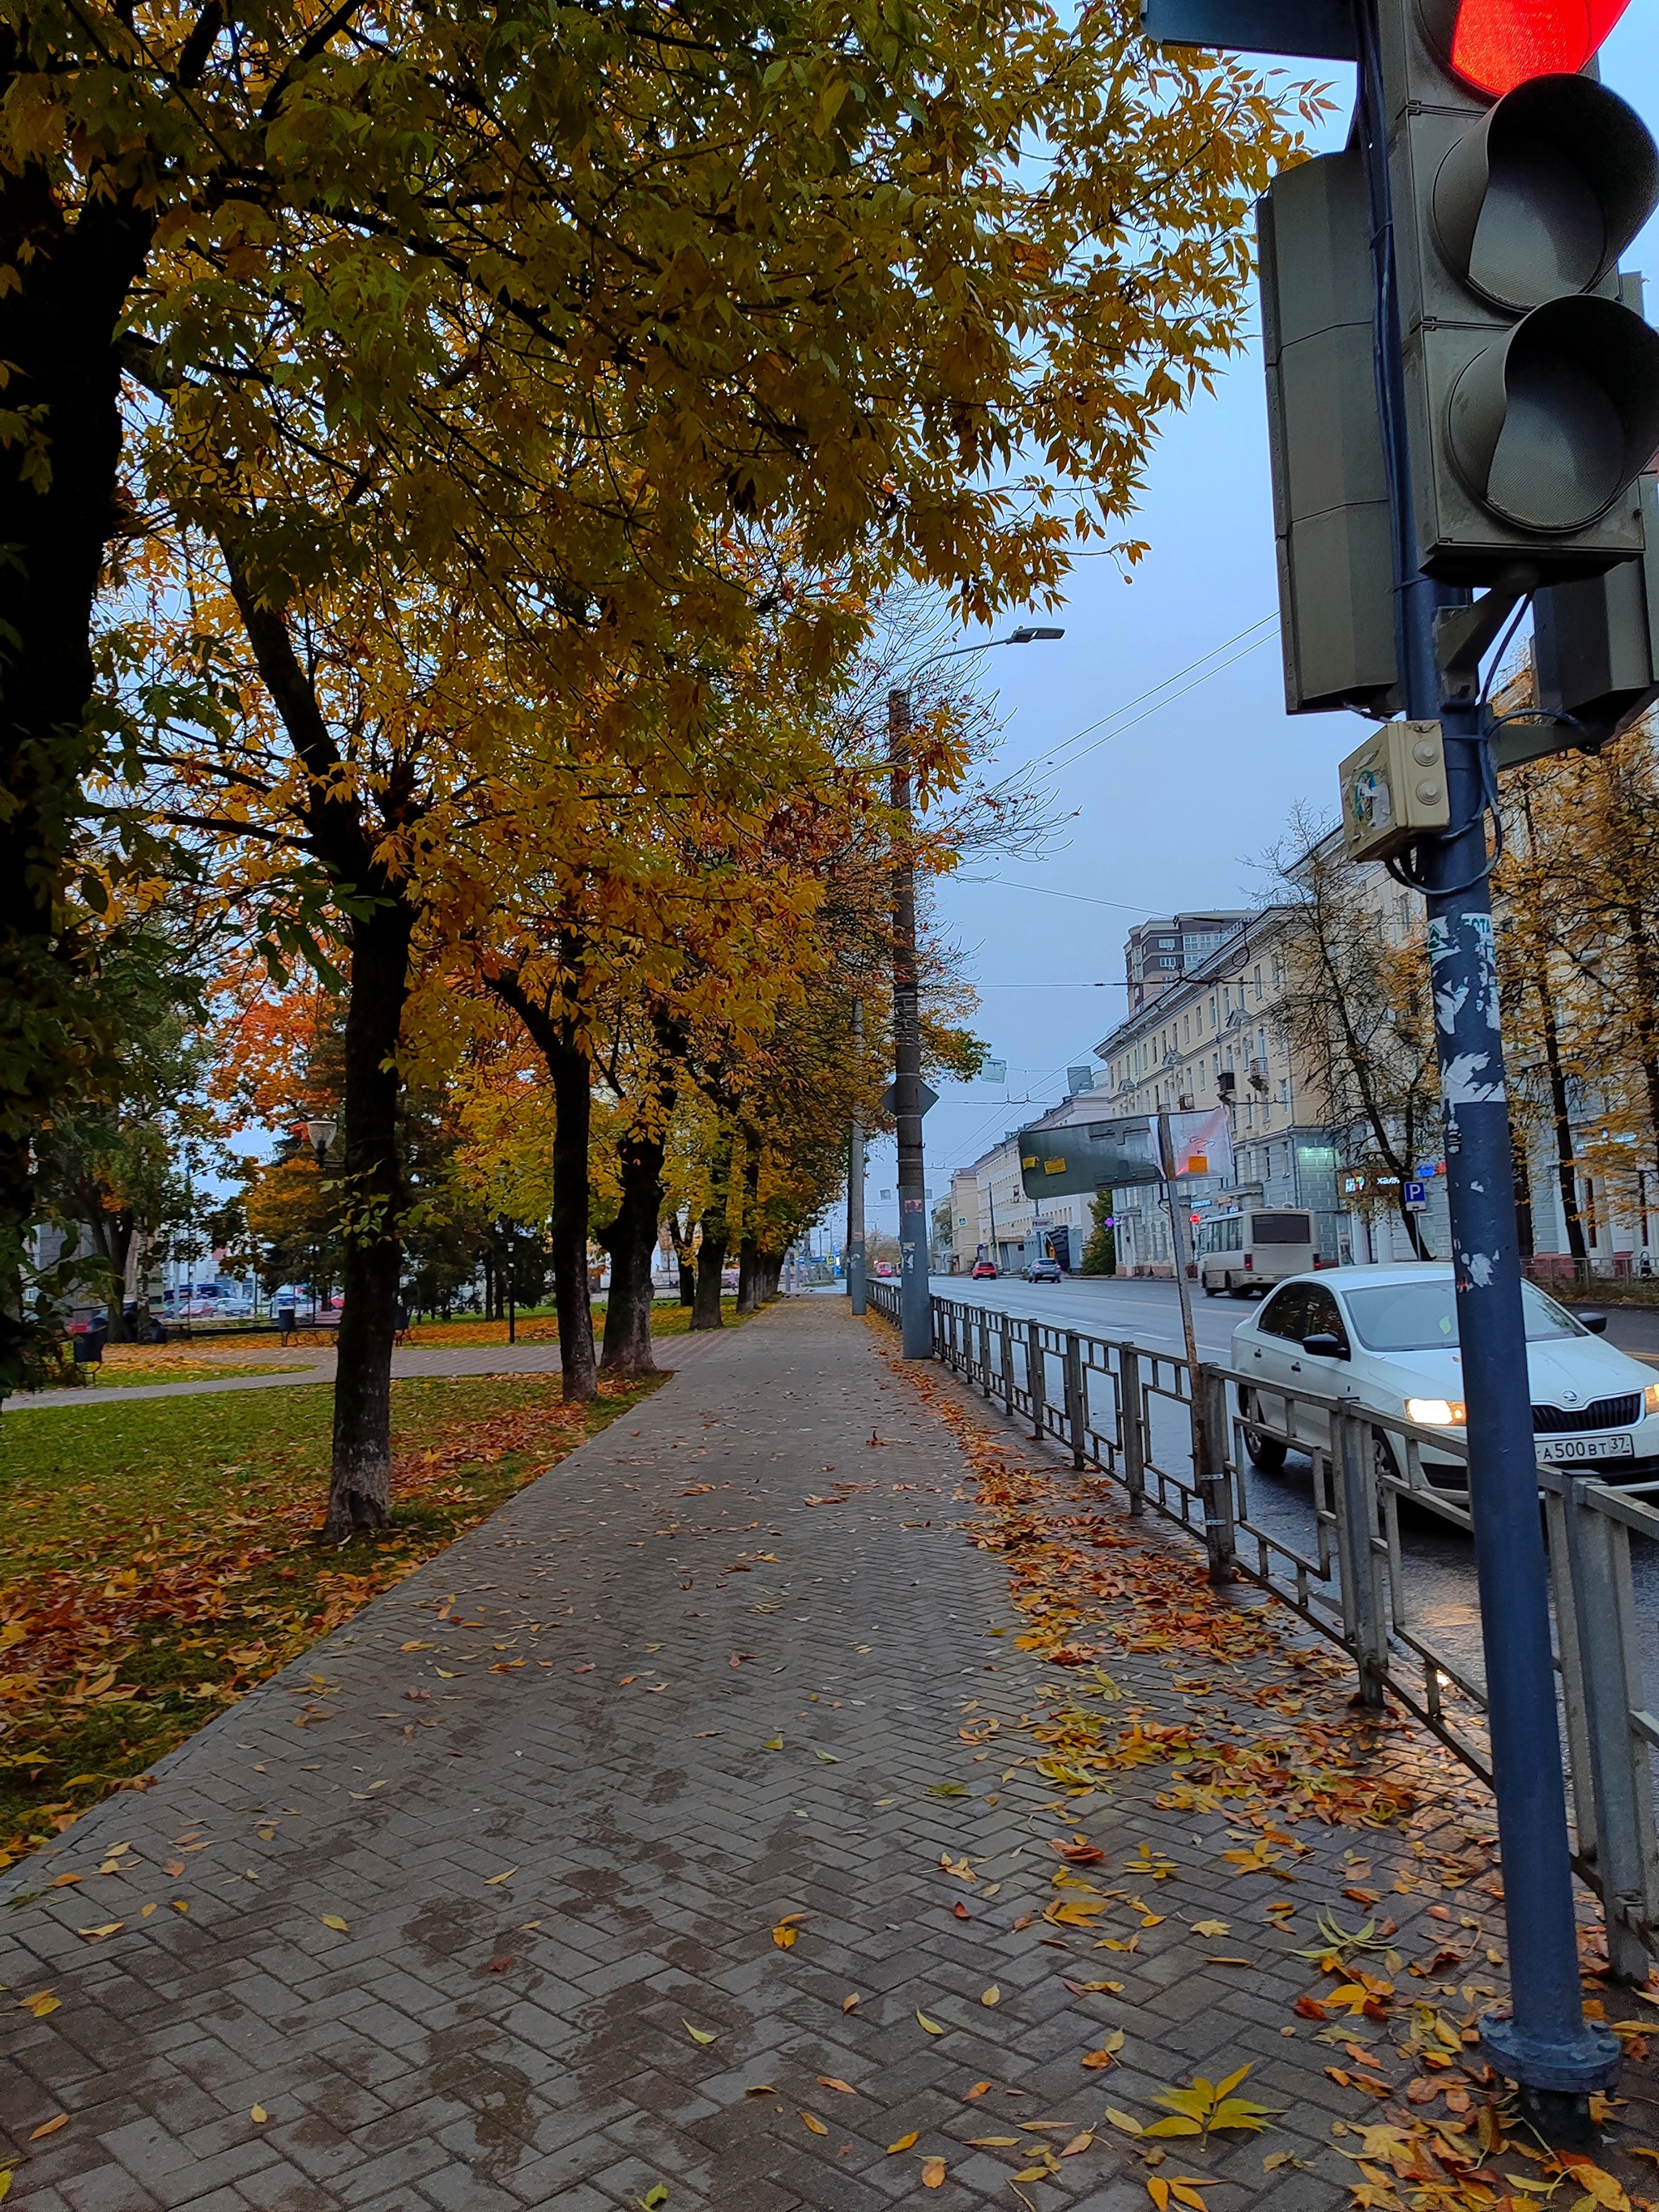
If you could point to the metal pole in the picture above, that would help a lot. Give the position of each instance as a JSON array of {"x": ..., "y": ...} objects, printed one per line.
[
  {"x": 915, "y": 1310},
  {"x": 855, "y": 1271},
  {"x": 1546, "y": 2045}
]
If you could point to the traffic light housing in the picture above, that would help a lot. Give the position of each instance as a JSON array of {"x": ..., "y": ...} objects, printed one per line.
[
  {"x": 1532, "y": 390},
  {"x": 1334, "y": 539}
]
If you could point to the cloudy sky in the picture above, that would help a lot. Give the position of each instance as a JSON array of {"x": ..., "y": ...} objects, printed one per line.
[{"x": 1174, "y": 798}]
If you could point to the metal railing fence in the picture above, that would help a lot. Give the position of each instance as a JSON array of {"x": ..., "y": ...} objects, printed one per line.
[{"x": 1127, "y": 1412}]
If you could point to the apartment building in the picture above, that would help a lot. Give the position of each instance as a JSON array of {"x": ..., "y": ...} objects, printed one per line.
[
  {"x": 1207, "y": 1039},
  {"x": 1158, "y": 953}
]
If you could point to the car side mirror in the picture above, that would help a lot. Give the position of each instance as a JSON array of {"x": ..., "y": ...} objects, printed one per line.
[
  {"x": 1325, "y": 1347},
  {"x": 1595, "y": 1323}
]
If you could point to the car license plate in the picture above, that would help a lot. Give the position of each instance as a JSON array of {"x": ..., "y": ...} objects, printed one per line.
[{"x": 1618, "y": 1445}]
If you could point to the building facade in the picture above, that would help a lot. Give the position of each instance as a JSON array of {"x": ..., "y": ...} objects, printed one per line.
[{"x": 1210, "y": 1038}]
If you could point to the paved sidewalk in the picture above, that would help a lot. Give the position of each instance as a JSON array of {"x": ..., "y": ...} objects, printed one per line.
[
  {"x": 306, "y": 1366},
  {"x": 474, "y": 1908}
]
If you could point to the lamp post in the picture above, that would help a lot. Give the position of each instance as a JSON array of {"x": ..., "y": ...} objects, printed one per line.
[
  {"x": 320, "y": 1135},
  {"x": 915, "y": 1305}
]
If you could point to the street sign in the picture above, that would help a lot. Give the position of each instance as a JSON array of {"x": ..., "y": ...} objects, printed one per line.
[
  {"x": 890, "y": 1098},
  {"x": 1087, "y": 1156},
  {"x": 1414, "y": 1196},
  {"x": 1321, "y": 29}
]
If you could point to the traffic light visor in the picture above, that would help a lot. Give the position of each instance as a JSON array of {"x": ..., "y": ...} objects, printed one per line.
[
  {"x": 1545, "y": 192},
  {"x": 1497, "y": 45},
  {"x": 1549, "y": 424}
]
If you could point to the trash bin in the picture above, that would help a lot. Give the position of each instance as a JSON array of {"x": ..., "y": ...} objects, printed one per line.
[{"x": 89, "y": 1344}]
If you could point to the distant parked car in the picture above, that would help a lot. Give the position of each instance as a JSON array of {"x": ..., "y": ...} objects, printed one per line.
[
  {"x": 984, "y": 1271},
  {"x": 884, "y": 1267},
  {"x": 1043, "y": 1271}
]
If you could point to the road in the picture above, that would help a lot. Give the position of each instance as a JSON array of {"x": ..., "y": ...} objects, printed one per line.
[{"x": 1438, "y": 1559}]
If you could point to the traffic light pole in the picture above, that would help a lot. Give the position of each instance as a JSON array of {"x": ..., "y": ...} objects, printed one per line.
[
  {"x": 1546, "y": 2045},
  {"x": 915, "y": 1301}
]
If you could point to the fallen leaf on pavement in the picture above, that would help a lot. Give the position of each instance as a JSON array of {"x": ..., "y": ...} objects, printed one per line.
[
  {"x": 851, "y": 2001},
  {"x": 773, "y": 1743},
  {"x": 932, "y": 2025},
  {"x": 1078, "y": 2144},
  {"x": 933, "y": 2174},
  {"x": 992, "y": 1996},
  {"x": 506, "y": 1875},
  {"x": 904, "y": 2142},
  {"x": 1107, "y": 2052},
  {"x": 109, "y": 1928},
  {"x": 50, "y": 2127},
  {"x": 829, "y": 2081},
  {"x": 41, "y": 2004},
  {"x": 817, "y": 2125},
  {"x": 697, "y": 2035},
  {"x": 258, "y": 2113},
  {"x": 961, "y": 1910},
  {"x": 172, "y": 1868},
  {"x": 654, "y": 2198},
  {"x": 333, "y": 1920},
  {"x": 992, "y": 2143},
  {"x": 978, "y": 2090},
  {"x": 1211, "y": 1928},
  {"x": 784, "y": 1936}
]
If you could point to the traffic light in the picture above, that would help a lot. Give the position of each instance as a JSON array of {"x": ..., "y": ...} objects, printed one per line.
[
  {"x": 1532, "y": 389},
  {"x": 1594, "y": 651},
  {"x": 1335, "y": 542}
]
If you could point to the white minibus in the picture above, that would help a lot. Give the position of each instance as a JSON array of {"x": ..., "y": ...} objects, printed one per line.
[{"x": 1251, "y": 1250}]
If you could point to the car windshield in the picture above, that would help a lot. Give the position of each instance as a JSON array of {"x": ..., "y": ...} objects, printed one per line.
[{"x": 1422, "y": 1317}]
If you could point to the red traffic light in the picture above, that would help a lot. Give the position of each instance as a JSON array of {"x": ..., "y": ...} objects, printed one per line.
[{"x": 1499, "y": 43}]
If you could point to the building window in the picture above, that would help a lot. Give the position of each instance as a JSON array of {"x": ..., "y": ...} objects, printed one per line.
[{"x": 1258, "y": 983}]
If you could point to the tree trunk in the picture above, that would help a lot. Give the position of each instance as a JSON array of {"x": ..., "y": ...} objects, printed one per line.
[
  {"x": 573, "y": 1093},
  {"x": 630, "y": 1240},
  {"x": 748, "y": 1290},
  {"x": 711, "y": 1254},
  {"x": 686, "y": 1258},
  {"x": 370, "y": 1176},
  {"x": 58, "y": 330},
  {"x": 1566, "y": 1165},
  {"x": 769, "y": 1268}
]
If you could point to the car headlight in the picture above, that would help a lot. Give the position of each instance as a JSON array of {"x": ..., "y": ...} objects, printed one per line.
[
  {"x": 1438, "y": 1412},
  {"x": 1651, "y": 1398}
]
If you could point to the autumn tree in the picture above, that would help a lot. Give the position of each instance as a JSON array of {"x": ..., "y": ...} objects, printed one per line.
[
  {"x": 555, "y": 298},
  {"x": 1356, "y": 1011}
]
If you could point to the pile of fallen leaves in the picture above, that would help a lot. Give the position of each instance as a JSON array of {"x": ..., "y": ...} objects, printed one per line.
[
  {"x": 113, "y": 1655},
  {"x": 1092, "y": 1584}
]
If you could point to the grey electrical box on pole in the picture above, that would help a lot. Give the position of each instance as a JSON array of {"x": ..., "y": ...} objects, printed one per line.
[{"x": 1330, "y": 488}]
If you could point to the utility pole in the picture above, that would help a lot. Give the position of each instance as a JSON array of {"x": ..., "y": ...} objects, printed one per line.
[
  {"x": 855, "y": 1277},
  {"x": 916, "y": 1298}
]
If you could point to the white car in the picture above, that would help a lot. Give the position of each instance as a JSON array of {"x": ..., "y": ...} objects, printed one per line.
[{"x": 1388, "y": 1336}]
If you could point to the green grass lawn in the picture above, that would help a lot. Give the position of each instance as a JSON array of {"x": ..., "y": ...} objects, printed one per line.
[{"x": 159, "y": 1558}]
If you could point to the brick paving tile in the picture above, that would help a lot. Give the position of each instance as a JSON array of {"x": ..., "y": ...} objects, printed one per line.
[{"x": 539, "y": 1793}]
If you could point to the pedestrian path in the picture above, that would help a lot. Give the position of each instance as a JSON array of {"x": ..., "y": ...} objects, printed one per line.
[
  {"x": 698, "y": 1832},
  {"x": 305, "y": 1365}
]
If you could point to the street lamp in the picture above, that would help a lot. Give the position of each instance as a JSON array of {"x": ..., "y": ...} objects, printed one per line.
[
  {"x": 320, "y": 1135},
  {"x": 915, "y": 1306}
]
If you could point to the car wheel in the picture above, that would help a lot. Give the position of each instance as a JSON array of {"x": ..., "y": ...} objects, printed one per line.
[{"x": 1265, "y": 1452}]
